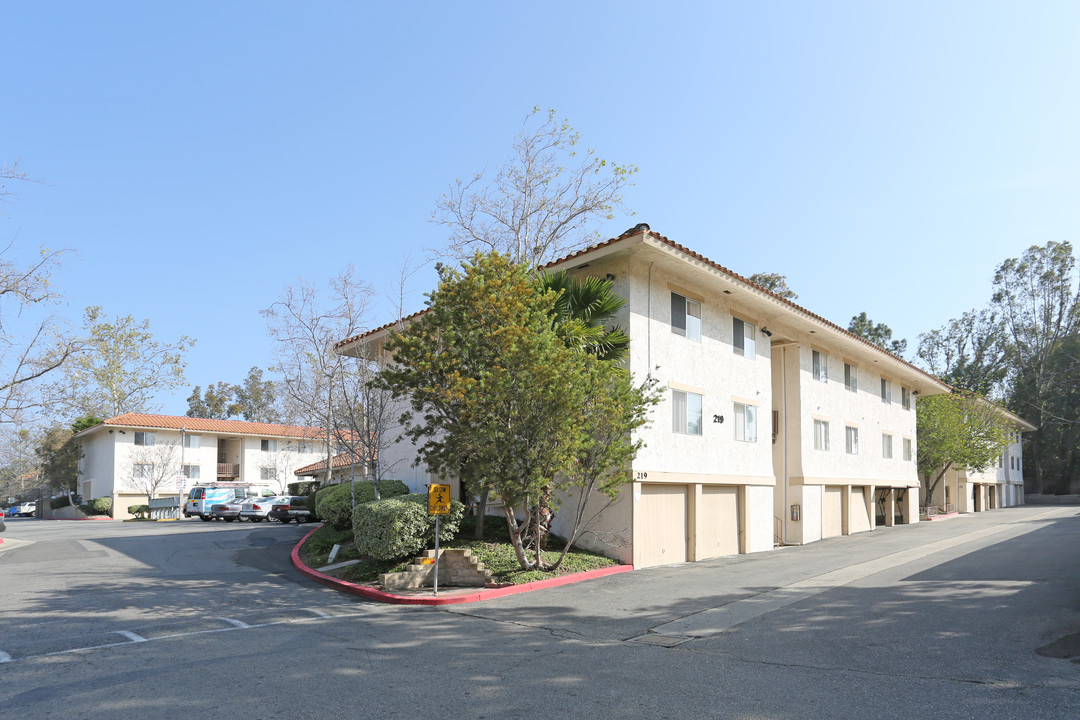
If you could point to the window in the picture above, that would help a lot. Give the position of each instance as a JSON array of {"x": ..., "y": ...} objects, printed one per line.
[
  {"x": 191, "y": 472},
  {"x": 821, "y": 435},
  {"x": 851, "y": 440},
  {"x": 685, "y": 316},
  {"x": 192, "y": 441},
  {"x": 743, "y": 338},
  {"x": 686, "y": 412},
  {"x": 886, "y": 446},
  {"x": 268, "y": 445},
  {"x": 851, "y": 377},
  {"x": 886, "y": 391},
  {"x": 821, "y": 365},
  {"x": 267, "y": 473},
  {"x": 907, "y": 449},
  {"x": 745, "y": 423},
  {"x": 905, "y": 397},
  {"x": 140, "y": 471},
  {"x": 144, "y": 438},
  {"x": 304, "y": 447}
]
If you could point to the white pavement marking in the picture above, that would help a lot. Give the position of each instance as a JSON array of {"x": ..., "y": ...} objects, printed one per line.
[
  {"x": 4, "y": 657},
  {"x": 320, "y": 613},
  {"x": 716, "y": 620},
  {"x": 234, "y": 623},
  {"x": 130, "y": 636}
]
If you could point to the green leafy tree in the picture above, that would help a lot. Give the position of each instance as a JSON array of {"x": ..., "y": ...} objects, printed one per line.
[
  {"x": 1037, "y": 298},
  {"x": 774, "y": 283},
  {"x": 256, "y": 399},
  {"x": 547, "y": 201},
  {"x": 496, "y": 395},
  {"x": 969, "y": 352},
  {"x": 217, "y": 402},
  {"x": 958, "y": 430},
  {"x": 59, "y": 453},
  {"x": 121, "y": 367},
  {"x": 878, "y": 333}
]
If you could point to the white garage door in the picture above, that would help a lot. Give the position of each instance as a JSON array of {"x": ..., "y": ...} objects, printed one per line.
[
  {"x": 718, "y": 526},
  {"x": 832, "y": 512},
  {"x": 661, "y": 516},
  {"x": 858, "y": 513}
]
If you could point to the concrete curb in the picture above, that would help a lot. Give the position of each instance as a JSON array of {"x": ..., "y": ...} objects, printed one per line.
[{"x": 457, "y": 599}]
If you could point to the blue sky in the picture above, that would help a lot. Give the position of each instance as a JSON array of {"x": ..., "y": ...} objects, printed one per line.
[{"x": 200, "y": 156}]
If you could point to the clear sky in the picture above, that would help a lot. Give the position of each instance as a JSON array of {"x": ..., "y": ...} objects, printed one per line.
[{"x": 200, "y": 156}]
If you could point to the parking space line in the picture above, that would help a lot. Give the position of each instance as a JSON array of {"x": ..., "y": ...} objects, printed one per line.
[
  {"x": 130, "y": 636},
  {"x": 234, "y": 623},
  {"x": 320, "y": 613},
  {"x": 4, "y": 657}
]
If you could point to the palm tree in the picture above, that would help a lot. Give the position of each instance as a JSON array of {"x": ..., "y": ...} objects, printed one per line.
[{"x": 582, "y": 312}]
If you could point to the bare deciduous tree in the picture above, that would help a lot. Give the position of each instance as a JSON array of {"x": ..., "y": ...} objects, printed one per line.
[
  {"x": 152, "y": 467},
  {"x": 306, "y": 323},
  {"x": 545, "y": 202}
]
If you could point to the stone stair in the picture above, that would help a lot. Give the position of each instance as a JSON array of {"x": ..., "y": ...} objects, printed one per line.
[{"x": 456, "y": 568}]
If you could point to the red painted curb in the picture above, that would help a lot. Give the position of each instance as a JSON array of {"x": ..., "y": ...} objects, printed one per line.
[{"x": 479, "y": 595}]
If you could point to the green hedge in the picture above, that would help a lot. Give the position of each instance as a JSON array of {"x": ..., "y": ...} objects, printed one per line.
[
  {"x": 97, "y": 506},
  {"x": 334, "y": 503},
  {"x": 303, "y": 487},
  {"x": 139, "y": 510},
  {"x": 399, "y": 527},
  {"x": 58, "y": 502}
]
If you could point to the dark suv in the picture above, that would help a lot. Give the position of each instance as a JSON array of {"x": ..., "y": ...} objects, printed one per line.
[{"x": 296, "y": 509}]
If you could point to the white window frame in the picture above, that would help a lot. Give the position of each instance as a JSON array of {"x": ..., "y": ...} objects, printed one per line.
[
  {"x": 907, "y": 449},
  {"x": 684, "y": 406},
  {"x": 851, "y": 377},
  {"x": 193, "y": 442},
  {"x": 688, "y": 311},
  {"x": 821, "y": 434},
  {"x": 191, "y": 472},
  {"x": 744, "y": 340},
  {"x": 905, "y": 397},
  {"x": 268, "y": 474},
  {"x": 886, "y": 391},
  {"x": 268, "y": 445},
  {"x": 141, "y": 471},
  {"x": 851, "y": 440},
  {"x": 745, "y": 423},
  {"x": 145, "y": 439},
  {"x": 819, "y": 364},
  {"x": 886, "y": 446}
]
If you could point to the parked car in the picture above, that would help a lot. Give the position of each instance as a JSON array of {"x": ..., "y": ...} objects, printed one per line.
[
  {"x": 258, "y": 509},
  {"x": 294, "y": 508},
  {"x": 28, "y": 509},
  {"x": 228, "y": 510}
]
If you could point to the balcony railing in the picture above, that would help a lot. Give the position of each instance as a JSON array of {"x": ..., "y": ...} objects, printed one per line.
[{"x": 228, "y": 470}]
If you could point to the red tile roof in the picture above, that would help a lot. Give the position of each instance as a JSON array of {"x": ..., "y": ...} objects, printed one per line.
[
  {"x": 229, "y": 427},
  {"x": 642, "y": 229},
  {"x": 342, "y": 460}
]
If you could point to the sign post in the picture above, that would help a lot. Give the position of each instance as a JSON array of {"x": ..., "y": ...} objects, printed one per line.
[{"x": 438, "y": 505}]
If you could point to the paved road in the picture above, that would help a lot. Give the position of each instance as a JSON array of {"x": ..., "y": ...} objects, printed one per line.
[{"x": 199, "y": 621}]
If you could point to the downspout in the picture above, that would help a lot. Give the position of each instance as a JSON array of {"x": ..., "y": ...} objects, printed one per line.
[
  {"x": 783, "y": 436},
  {"x": 648, "y": 328}
]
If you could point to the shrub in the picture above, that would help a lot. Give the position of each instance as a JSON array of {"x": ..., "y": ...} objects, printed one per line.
[
  {"x": 398, "y": 527},
  {"x": 389, "y": 529},
  {"x": 100, "y": 506},
  {"x": 334, "y": 503},
  {"x": 311, "y": 503},
  {"x": 58, "y": 502},
  {"x": 448, "y": 526},
  {"x": 139, "y": 511},
  {"x": 303, "y": 487}
]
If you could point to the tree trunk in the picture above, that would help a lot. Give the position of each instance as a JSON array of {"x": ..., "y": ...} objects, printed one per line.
[
  {"x": 516, "y": 531},
  {"x": 478, "y": 531}
]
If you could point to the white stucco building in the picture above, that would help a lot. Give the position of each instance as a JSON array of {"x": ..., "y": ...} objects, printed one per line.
[
  {"x": 776, "y": 425},
  {"x": 125, "y": 455}
]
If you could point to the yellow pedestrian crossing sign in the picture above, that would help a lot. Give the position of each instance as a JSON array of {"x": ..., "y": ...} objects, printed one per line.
[{"x": 438, "y": 499}]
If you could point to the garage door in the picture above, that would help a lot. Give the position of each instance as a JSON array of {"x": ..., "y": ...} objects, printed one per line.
[
  {"x": 718, "y": 521},
  {"x": 858, "y": 513},
  {"x": 661, "y": 516},
  {"x": 832, "y": 512}
]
